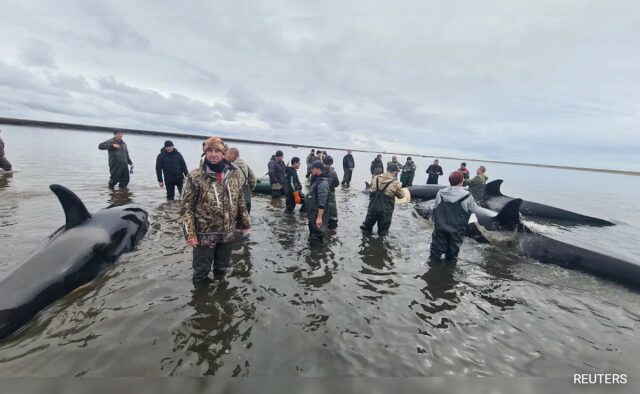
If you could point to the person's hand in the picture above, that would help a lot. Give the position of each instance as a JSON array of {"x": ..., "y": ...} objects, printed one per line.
[
  {"x": 116, "y": 146},
  {"x": 161, "y": 184},
  {"x": 246, "y": 234},
  {"x": 318, "y": 222},
  {"x": 193, "y": 242}
]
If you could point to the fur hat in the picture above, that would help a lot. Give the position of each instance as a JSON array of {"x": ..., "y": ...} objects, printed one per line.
[{"x": 214, "y": 143}]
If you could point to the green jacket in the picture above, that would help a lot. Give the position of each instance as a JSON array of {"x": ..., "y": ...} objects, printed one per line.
[
  {"x": 477, "y": 180},
  {"x": 211, "y": 208},
  {"x": 118, "y": 158}
]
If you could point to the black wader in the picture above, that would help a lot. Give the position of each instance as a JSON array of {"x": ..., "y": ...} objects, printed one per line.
[
  {"x": 380, "y": 210},
  {"x": 171, "y": 188},
  {"x": 450, "y": 223},
  {"x": 203, "y": 256}
]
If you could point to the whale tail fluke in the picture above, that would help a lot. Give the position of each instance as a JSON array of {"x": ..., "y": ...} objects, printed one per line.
[{"x": 74, "y": 210}]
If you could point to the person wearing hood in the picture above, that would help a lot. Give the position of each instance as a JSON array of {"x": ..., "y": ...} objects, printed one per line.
[
  {"x": 4, "y": 163},
  {"x": 384, "y": 189},
  {"x": 395, "y": 162},
  {"x": 276, "y": 174},
  {"x": 348, "y": 164},
  {"x": 408, "y": 172},
  {"x": 119, "y": 160},
  {"x": 292, "y": 184},
  {"x": 171, "y": 163},
  {"x": 451, "y": 212},
  {"x": 248, "y": 179},
  {"x": 376, "y": 166},
  {"x": 317, "y": 201},
  {"x": 211, "y": 204},
  {"x": 334, "y": 182},
  {"x": 477, "y": 184}
]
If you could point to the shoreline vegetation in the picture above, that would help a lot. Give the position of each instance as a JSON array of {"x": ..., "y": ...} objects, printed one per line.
[{"x": 73, "y": 126}]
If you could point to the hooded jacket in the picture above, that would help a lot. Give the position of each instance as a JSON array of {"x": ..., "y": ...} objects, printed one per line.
[
  {"x": 455, "y": 193},
  {"x": 211, "y": 207},
  {"x": 393, "y": 190},
  {"x": 276, "y": 171},
  {"x": 172, "y": 165}
]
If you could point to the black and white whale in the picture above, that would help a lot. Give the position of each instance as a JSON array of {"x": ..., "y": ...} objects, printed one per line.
[
  {"x": 72, "y": 256},
  {"x": 495, "y": 200},
  {"x": 507, "y": 233}
]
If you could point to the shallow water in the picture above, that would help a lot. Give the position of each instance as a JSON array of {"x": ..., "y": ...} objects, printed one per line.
[{"x": 362, "y": 306}]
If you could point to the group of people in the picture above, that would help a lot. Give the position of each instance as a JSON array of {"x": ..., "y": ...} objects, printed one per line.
[{"x": 216, "y": 197}]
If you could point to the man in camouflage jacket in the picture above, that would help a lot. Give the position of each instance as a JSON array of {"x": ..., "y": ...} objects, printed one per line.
[{"x": 211, "y": 203}]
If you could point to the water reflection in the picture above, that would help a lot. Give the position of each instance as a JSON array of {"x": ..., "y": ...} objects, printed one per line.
[
  {"x": 440, "y": 295},
  {"x": 5, "y": 179},
  {"x": 120, "y": 197},
  {"x": 220, "y": 311}
]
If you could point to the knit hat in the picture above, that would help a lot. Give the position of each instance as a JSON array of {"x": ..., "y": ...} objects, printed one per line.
[
  {"x": 392, "y": 167},
  {"x": 455, "y": 178},
  {"x": 317, "y": 164},
  {"x": 214, "y": 143},
  {"x": 168, "y": 143},
  {"x": 328, "y": 160}
]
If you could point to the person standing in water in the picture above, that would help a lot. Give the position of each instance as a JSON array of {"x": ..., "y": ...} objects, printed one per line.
[
  {"x": 451, "y": 212},
  {"x": 434, "y": 172},
  {"x": 247, "y": 177},
  {"x": 4, "y": 163},
  {"x": 376, "y": 166},
  {"x": 348, "y": 164},
  {"x": 211, "y": 204},
  {"x": 334, "y": 182},
  {"x": 384, "y": 189},
  {"x": 119, "y": 160},
  {"x": 292, "y": 184},
  {"x": 408, "y": 172},
  {"x": 171, "y": 163},
  {"x": 317, "y": 201},
  {"x": 311, "y": 157},
  {"x": 276, "y": 174},
  {"x": 477, "y": 184},
  {"x": 464, "y": 170}
]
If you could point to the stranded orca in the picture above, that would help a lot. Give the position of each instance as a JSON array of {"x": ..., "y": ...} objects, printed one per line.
[
  {"x": 72, "y": 256},
  {"x": 495, "y": 200}
]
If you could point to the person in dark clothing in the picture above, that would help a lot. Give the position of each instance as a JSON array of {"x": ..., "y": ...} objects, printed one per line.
[
  {"x": 276, "y": 174},
  {"x": 464, "y": 170},
  {"x": 384, "y": 190},
  {"x": 4, "y": 163},
  {"x": 477, "y": 184},
  {"x": 348, "y": 164},
  {"x": 292, "y": 184},
  {"x": 408, "y": 172},
  {"x": 119, "y": 160},
  {"x": 317, "y": 199},
  {"x": 376, "y": 166},
  {"x": 334, "y": 182},
  {"x": 452, "y": 209},
  {"x": 434, "y": 172},
  {"x": 171, "y": 163}
]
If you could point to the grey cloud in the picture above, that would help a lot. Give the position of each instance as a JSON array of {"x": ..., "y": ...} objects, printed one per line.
[{"x": 37, "y": 53}]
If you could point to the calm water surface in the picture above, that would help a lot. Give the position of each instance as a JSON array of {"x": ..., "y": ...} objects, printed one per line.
[{"x": 362, "y": 306}]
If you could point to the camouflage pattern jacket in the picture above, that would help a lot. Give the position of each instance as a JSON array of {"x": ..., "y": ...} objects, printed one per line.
[
  {"x": 378, "y": 182},
  {"x": 210, "y": 208}
]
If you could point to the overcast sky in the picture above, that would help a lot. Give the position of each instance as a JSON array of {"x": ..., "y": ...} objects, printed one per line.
[{"x": 547, "y": 82}]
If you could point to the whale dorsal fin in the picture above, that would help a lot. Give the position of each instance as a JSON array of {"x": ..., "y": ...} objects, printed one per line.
[
  {"x": 74, "y": 210},
  {"x": 492, "y": 189},
  {"x": 509, "y": 215},
  {"x": 367, "y": 186}
]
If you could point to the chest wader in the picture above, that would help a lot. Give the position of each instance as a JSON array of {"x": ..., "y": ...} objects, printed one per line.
[
  {"x": 316, "y": 235},
  {"x": 380, "y": 210},
  {"x": 246, "y": 191},
  {"x": 450, "y": 223}
]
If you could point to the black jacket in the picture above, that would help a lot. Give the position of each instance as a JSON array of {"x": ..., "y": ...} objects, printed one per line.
[
  {"x": 348, "y": 162},
  {"x": 173, "y": 166},
  {"x": 292, "y": 182},
  {"x": 376, "y": 164}
]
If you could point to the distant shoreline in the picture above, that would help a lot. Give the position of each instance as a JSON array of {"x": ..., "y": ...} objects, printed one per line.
[{"x": 72, "y": 126}]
